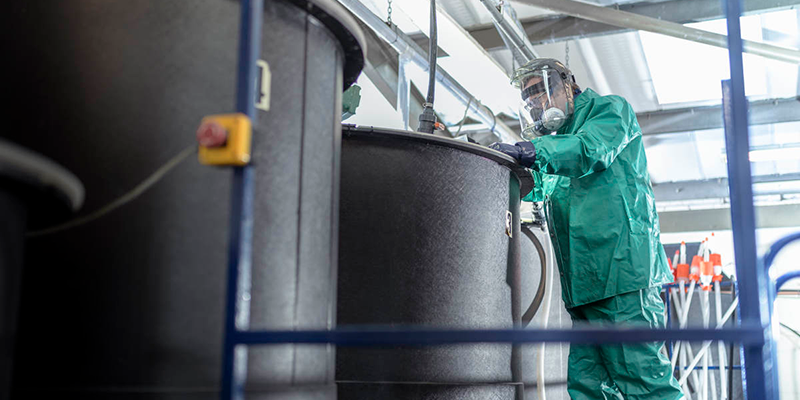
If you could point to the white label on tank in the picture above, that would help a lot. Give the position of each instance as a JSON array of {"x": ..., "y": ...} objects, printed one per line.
[
  {"x": 264, "y": 87},
  {"x": 509, "y": 224}
]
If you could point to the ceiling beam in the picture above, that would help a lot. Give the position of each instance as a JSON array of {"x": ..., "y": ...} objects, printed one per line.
[
  {"x": 630, "y": 20},
  {"x": 714, "y": 188},
  {"x": 710, "y": 117},
  {"x": 559, "y": 28},
  {"x": 778, "y": 216},
  {"x": 690, "y": 119}
]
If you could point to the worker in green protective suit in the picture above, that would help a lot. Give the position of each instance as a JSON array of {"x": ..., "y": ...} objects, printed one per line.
[{"x": 588, "y": 160}]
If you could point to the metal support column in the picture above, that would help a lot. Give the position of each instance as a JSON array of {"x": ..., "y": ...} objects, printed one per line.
[
  {"x": 234, "y": 358},
  {"x": 751, "y": 277},
  {"x": 404, "y": 88}
]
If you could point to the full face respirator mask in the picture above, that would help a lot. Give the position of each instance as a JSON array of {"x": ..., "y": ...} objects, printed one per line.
[{"x": 547, "y": 97}]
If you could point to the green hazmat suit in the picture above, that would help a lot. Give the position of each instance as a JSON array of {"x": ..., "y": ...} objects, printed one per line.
[{"x": 592, "y": 176}]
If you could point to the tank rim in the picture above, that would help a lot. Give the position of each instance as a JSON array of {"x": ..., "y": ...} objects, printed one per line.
[
  {"x": 346, "y": 29},
  {"x": 377, "y": 133},
  {"x": 41, "y": 182}
]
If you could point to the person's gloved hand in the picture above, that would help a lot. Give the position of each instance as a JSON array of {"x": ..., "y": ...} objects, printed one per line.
[{"x": 523, "y": 152}]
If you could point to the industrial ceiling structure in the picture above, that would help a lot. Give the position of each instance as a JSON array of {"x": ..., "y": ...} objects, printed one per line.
[{"x": 673, "y": 84}]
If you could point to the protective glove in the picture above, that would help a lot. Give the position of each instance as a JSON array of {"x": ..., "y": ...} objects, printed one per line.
[{"x": 523, "y": 152}]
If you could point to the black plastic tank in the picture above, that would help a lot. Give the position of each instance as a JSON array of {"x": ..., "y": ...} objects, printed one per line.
[
  {"x": 130, "y": 305},
  {"x": 429, "y": 236},
  {"x": 33, "y": 190}
]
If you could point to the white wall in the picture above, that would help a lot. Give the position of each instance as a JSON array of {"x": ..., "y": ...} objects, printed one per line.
[{"x": 374, "y": 110}]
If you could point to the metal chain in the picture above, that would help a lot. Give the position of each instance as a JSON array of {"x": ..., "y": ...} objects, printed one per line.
[
  {"x": 566, "y": 50},
  {"x": 389, "y": 14}
]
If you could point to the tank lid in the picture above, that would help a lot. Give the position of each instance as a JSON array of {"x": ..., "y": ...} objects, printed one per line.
[
  {"x": 342, "y": 24},
  {"x": 40, "y": 180},
  {"x": 376, "y": 133}
]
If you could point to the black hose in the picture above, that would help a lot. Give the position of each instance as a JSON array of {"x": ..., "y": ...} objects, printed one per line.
[
  {"x": 537, "y": 299},
  {"x": 433, "y": 49},
  {"x": 427, "y": 120},
  {"x": 789, "y": 328}
]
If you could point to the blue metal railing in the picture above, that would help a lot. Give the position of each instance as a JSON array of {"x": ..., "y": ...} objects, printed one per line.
[
  {"x": 382, "y": 336},
  {"x": 768, "y": 260},
  {"x": 753, "y": 286},
  {"x": 785, "y": 278},
  {"x": 758, "y": 381}
]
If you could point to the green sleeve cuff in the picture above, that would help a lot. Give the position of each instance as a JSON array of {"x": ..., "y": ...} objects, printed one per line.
[{"x": 537, "y": 194}]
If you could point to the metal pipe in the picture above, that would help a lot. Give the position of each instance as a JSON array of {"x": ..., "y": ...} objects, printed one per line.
[
  {"x": 402, "y": 44},
  {"x": 522, "y": 47},
  {"x": 630, "y": 20}
]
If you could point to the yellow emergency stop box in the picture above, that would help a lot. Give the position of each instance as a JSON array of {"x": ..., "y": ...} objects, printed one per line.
[{"x": 236, "y": 150}]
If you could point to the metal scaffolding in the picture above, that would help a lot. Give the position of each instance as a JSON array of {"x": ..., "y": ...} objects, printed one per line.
[{"x": 755, "y": 291}]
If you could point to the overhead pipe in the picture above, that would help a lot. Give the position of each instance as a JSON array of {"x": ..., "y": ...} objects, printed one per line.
[
  {"x": 511, "y": 31},
  {"x": 631, "y": 20},
  {"x": 401, "y": 43}
]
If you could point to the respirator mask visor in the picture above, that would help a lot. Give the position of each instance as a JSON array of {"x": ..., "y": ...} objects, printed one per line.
[{"x": 545, "y": 105}]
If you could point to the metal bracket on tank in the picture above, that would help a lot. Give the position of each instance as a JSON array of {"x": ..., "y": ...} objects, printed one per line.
[{"x": 509, "y": 224}]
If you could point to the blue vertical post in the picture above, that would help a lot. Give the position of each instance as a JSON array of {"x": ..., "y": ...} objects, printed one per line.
[
  {"x": 237, "y": 298},
  {"x": 752, "y": 280}
]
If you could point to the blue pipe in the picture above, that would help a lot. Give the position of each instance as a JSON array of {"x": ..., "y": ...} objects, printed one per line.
[
  {"x": 776, "y": 248},
  {"x": 381, "y": 336},
  {"x": 716, "y": 367},
  {"x": 724, "y": 284},
  {"x": 785, "y": 278},
  {"x": 237, "y": 311}
]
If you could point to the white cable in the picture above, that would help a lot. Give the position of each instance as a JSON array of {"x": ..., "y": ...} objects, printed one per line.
[
  {"x": 679, "y": 353},
  {"x": 707, "y": 343},
  {"x": 689, "y": 353},
  {"x": 677, "y": 345},
  {"x": 686, "y": 348},
  {"x": 548, "y": 294},
  {"x": 723, "y": 376},
  {"x": 684, "y": 371},
  {"x": 705, "y": 308},
  {"x": 713, "y": 384},
  {"x": 689, "y": 297},
  {"x": 122, "y": 200}
]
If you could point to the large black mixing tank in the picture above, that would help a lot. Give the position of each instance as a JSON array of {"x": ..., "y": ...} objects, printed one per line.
[
  {"x": 131, "y": 305},
  {"x": 30, "y": 189},
  {"x": 429, "y": 235}
]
